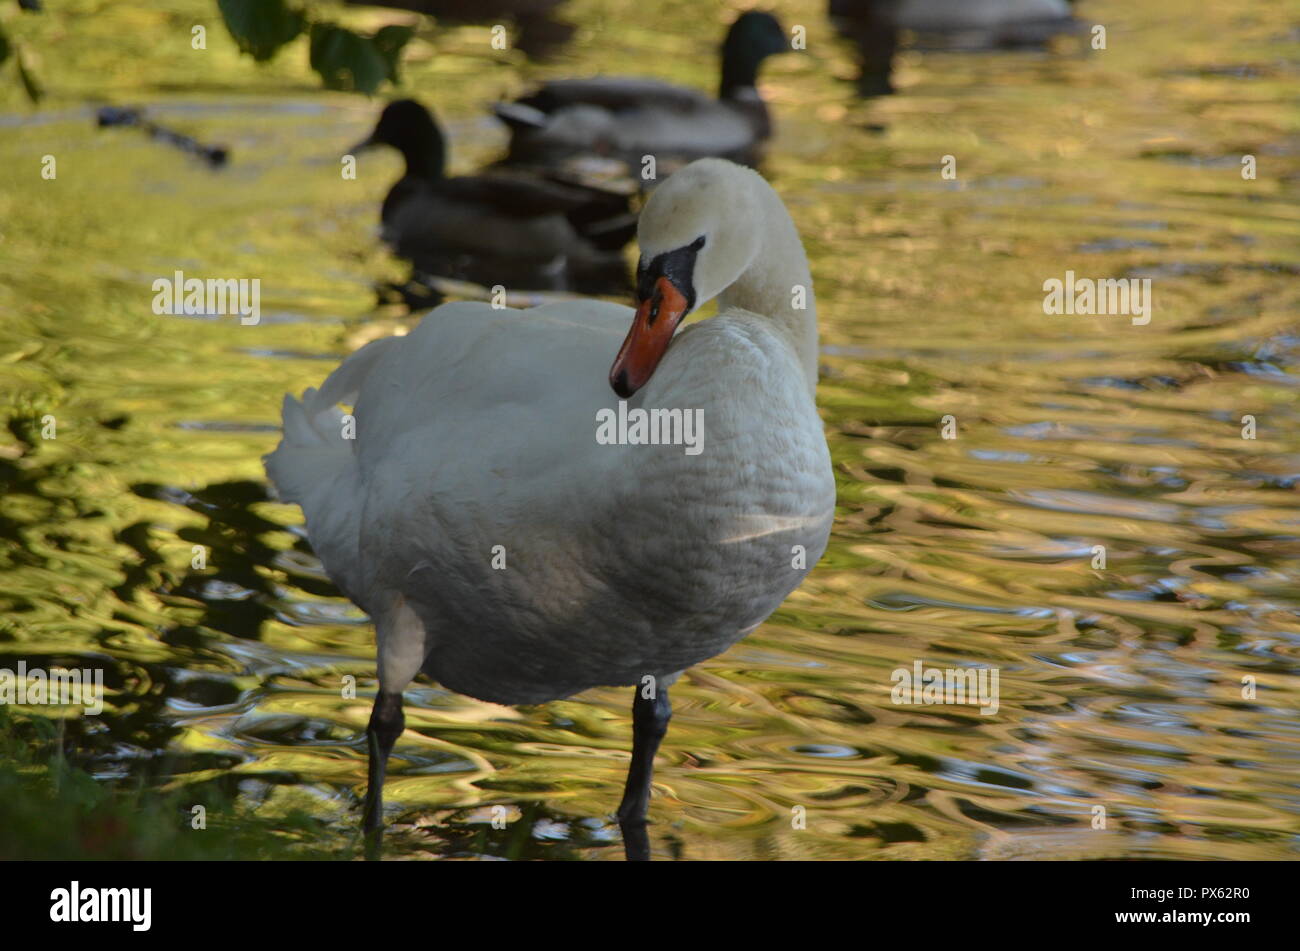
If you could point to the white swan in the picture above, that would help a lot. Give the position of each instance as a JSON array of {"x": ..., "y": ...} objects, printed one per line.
[{"x": 476, "y": 446}]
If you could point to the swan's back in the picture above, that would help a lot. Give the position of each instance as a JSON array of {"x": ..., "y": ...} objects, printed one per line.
[
  {"x": 538, "y": 561},
  {"x": 414, "y": 396}
]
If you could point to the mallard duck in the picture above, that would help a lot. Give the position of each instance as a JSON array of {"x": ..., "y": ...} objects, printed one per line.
[
  {"x": 630, "y": 118},
  {"x": 516, "y": 230},
  {"x": 506, "y": 549}
]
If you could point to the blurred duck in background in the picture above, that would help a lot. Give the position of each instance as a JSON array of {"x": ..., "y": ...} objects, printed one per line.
[
  {"x": 875, "y": 26},
  {"x": 627, "y": 118},
  {"x": 517, "y": 230}
]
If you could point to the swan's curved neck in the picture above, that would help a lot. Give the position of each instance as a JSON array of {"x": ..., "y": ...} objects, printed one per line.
[{"x": 778, "y": 284}]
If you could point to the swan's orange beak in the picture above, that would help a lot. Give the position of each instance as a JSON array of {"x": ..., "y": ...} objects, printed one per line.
[{"x": 652, "y": 330}]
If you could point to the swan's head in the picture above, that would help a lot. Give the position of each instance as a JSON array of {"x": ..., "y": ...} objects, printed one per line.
[{"x": 698, "y": 233}]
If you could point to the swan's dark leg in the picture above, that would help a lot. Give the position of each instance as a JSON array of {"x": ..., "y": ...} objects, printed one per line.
[
  {"x": 386, "y": 724},
  {"x": 649, "y": 724}
]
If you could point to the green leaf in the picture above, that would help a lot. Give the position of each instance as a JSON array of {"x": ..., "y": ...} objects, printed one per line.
[
  {"x": 346, "y": 60},
  {"x": 389, "y": 41},
  {"x": 261, "y": 27},
  {"x": 33, "y": 88}
]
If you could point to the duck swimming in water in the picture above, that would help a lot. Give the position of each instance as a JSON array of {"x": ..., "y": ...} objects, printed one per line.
[
  {"x": 516, "y": 230},
  {"x": 628, "y": 118}
]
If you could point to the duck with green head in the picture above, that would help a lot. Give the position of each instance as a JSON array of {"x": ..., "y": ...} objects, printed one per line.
[
  {"x": 629, "y": 118},
  {"x": 512, "y": 229}
]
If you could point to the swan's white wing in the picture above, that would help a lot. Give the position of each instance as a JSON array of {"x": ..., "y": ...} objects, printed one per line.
[
  {"x": 474, "y": 391},
  {"x": 456, "y": 419}
]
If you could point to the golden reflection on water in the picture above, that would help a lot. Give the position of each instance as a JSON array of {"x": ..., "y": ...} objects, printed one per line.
[{"x": 1121, "y": 686}]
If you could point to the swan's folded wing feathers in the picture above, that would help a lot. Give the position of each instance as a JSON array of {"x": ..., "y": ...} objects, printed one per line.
[
  {"x": 461, "y": 377},
  {"x": 345, "y": 383}
]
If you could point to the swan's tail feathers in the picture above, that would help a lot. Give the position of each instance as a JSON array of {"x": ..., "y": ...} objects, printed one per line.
[
  {"x": 312, "y": 452},
  {"x": 315, "y": 464}
]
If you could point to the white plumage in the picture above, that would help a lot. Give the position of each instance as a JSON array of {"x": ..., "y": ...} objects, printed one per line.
[{"x": 479, "y": 429}]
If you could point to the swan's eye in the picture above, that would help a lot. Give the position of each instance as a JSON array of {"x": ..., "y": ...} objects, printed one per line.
[{"x": 698, "y": 243}]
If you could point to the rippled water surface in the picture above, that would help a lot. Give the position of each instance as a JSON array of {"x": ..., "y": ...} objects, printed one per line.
[{"x": 1121, "y": 686}]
